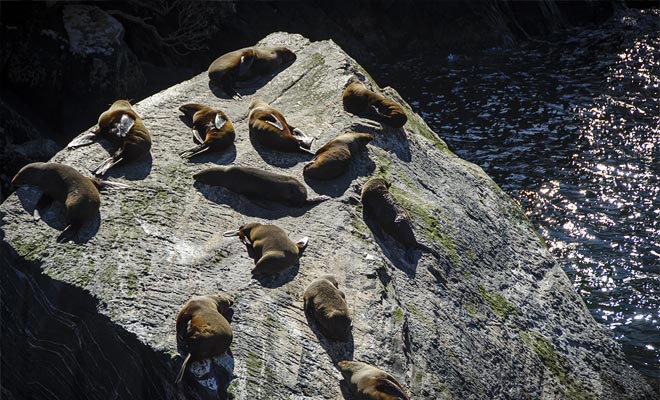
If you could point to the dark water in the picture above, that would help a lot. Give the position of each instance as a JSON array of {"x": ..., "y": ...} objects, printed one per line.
[{"x": 570, "y": 128}]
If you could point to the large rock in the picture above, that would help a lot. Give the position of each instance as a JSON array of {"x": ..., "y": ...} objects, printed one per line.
[{"x": 495, "y": 317}]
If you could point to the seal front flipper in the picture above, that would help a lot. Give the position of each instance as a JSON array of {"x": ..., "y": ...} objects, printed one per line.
[
  {"x": 83, "y": 140},
  {"x": 244, "y": 65},
  {"x": 302, "y": 243},
  {"x": 125, "y": 124},
  {"x": 183, "y": 369},
  {"x": 272, "y": 119},
  {"x": 43, "y": 203},
  {"x": 219, "y": 121},
  {"x": 196, "y": 137},
  {"x": 69, "y": 233},
  {"x": 304, "y": 141}
]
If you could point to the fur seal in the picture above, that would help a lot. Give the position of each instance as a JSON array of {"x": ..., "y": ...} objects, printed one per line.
[
  {"x": 63, "y": 183},
  {"x": 391, "y": 217},
  {"x": 256, "y": 183},
  {"x": 216, "y": 128},
  {"x": 371, "y": 383},
  {"x": 358, "y": 99},
  {"x": 334, "y": 157},
  {"x": 270, "y": 246},
  {"x": 119, "y": 124},
  {"x": 327, "y": 305},
  {"x": 202, "y": 326},
  {"x": 246, "y": 64},
  {"x": 270, "y": 128}
]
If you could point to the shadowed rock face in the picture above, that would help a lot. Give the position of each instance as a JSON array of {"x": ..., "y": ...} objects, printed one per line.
[{"x": 495, "y": 317}]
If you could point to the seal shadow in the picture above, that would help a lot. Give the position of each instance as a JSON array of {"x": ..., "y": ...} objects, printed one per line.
[
  {"x": 249, "y": 87},
  {"x": 337, "y": 350},
  {"x": 257, "y": 208},
  {"x": 211, "y": 377},
  {"x": 277, "y": 158},
  {"x": 278, "y": 280},
  {"x": 345, "y": 390},
  {"x": 133, "y": 171},
  {"x": 53, "y": 216},
  {"x": 405, "y": 260},
  {"x": 393, "y": 140},
  {"x": 361, "y": 165}
]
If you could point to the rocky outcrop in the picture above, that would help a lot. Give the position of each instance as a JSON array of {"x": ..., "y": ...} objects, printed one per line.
[{"x": 494, "y": 317}]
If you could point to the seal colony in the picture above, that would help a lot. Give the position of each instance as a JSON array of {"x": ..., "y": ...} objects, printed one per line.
[{"x": 202, "y": 326}]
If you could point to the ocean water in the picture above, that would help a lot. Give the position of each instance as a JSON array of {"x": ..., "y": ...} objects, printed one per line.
[{"x": 569, "y": 126}]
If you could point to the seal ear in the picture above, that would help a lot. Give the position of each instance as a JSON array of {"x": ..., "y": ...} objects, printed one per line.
[{"x": 302, "y": 243}]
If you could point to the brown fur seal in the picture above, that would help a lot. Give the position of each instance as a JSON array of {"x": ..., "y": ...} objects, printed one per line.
[
  {"x": 269, "y": 127},
  {"x": 201, "y": 325},
  {"x": 255, "y": 183},
  {"x": 371, "y": 383},
  {"x": 79, "y": 194},
  {"x": 119, "y": 124},
  {"x": 246, "y": 64},
  {"x": 327, "y": 305},
  {"x": 271, "y": 248},
  {"x": 217, "y": 130},
  {"x": 391, "y": 217},
  {"x": 358, "y": 99},
  {"x": 334, "y": 157}
]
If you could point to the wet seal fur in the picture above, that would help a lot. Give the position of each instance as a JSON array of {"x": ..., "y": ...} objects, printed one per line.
[
  {"x": 359, "y": 100},
  {"x": 247, "y": 64},
  {"x": 268, "y": 126},
  {"x": 79, "y": 194},
  {"x": 259, "y": 184},
  {"x": 212, "y": 129},
  {"x": 333, "y": 159},
  {"x": 380, "y": 206},
  {"x": 271, "y": 248},
  {"x": 122, "y": 125},
  {"x": 203, "y": 328},
  {"x": 370, "y": 383},
  {"x": 324, "y": 302}
]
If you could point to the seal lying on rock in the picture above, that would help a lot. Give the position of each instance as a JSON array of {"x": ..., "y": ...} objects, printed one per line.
[
  {"x": 259, "y": 184},
  {"x": 268, "y": 126},
  {"x": 246, "y": 64},
  {"x": 202, "y": 326},
  {"x": 119, "y": 124},
  {"x": 63, "y": 183},
  {"x": 334, "y": 157},
  {"x": 271, "y": 248},
  {"x": 358, "y": 99},
  {"x": 324, "y": 302},
  {"x": 371, "y": 383},
  {"x": 381, "y": 207},
  {"x": 216, "y": 128}
]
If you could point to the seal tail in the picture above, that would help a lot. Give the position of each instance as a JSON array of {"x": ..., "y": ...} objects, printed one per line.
[
  {"x": 182, "y": 370},
  {"x": 190, "y": 153}
]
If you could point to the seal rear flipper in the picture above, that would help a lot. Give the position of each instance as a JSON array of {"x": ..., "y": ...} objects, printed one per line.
[
  {"x": 424, "y": 247},
  {"x": 67, "y": 234},
  {"x": 194, "y": 151},
  {"x": 317, "y": 199},
  {"x": 83, "y": 140},
  {"x": 43, "y": 203},
  {"x": 182, "y": 371},
  {"x": 388, "y": 387},
  {"x": 102, "y": 185},
  {"x": 124, "y": 126},
  {"x": 219, "y": 121},
  {"x": 107, "y": 164}
]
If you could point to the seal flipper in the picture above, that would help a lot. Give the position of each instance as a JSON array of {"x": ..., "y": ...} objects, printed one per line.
[
  {"x": 124, "y": 126},
  {"x": 274, "y": 121},
  {"x": 183, "y": 369},
  {"x": 43, "y": 203},
  {"x": 302, "y": 243},
  {"x": 190, "y": 153},
  {"x": 196, "y": 137},
  {"x": 102, "y": 185},
  {"x": 244, "y": 65},
  {"x": 219, "y": 121},
  {"x": 83, "y": 140},
  {"x": 386, "y": 386},
  {"x": 424, "y": 247},
  {"x": 67, "y": 234},
  {"x": 317, "y": 199},
  {"x": 108, "y": 163}
]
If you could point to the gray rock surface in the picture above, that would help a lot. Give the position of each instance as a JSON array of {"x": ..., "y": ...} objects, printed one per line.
[{"x": 494, "y": 318}]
